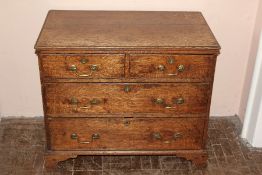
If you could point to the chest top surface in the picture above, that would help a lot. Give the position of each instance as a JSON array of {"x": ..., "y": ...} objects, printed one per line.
[{"x": 125, "y": 29}]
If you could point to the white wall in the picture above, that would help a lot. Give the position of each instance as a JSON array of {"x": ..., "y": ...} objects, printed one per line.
[
  {"x": 251, "y": 62},
  {"x": 231, "y": 21},
  {"x": 252, "y": 127},
  {"x": 251, "y": 112}
]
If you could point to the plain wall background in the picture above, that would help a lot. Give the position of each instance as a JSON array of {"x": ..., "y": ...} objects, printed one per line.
[
  {"x": 231, "y": 21},
  {"x": 251, "y": 61}
]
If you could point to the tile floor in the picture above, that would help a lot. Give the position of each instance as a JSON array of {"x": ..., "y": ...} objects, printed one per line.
[{"x": 22, "y": 147}]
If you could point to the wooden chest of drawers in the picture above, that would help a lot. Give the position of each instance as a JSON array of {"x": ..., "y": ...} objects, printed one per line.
[{"x": 126, "y": 83}]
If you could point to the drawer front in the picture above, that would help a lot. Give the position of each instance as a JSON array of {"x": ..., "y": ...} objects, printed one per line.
[
  {"x": 112, "y": 98},
  {"x": 180, "y": 67},
  {"x": 125, "y": 133},
  {"x": 83, "y": 66}
]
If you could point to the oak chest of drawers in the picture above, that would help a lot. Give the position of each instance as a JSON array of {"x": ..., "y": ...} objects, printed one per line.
[{"x": 126, "y": 83}]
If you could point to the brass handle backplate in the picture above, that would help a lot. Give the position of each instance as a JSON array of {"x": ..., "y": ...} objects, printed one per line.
[
  {"x": 74, "y": 101},
  {"x": 161, "y": 67},
  {"x": 157, "y": 136},
  {"x": 93, "y": 68},
  {"x": 94, "y": 101},
  {"x": 179, "y": 100},
  {"x": 161, "y": 101},
  {"x": 94, "y": 136},
  {"x": 177, "y": 135},
  {"x": 72, "y": 68},
  {"x": 74, "y": 136},
  {"x": 180, "y": 68}
]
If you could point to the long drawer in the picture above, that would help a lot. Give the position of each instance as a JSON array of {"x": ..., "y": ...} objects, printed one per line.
[
  {"x": 125, "y": 133},
  {"x": 65, "y": 99},
  {"x": 83, "y": 66},
  {"x": 179, "y": 67}
]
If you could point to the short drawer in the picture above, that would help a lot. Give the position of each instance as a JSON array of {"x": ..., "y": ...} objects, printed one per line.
[
  {"x": 125, "y": 133},
  {"x": 83, "y": 66},
  {"x": 179, "y": 67},
  {"x": 80, "y": 99}
]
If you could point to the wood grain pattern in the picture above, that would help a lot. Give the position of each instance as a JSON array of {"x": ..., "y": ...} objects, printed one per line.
[
  {"x": 196, "y": 67},
  {"x": 127, "y": 29},
  {"x": 108, "y": 66},
  {"x": 141, "y": 98},
  {"x": 128, "y": 48},
  {"x": 126, "y": 133}
]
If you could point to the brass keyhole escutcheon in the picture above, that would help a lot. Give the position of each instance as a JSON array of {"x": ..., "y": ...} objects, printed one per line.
[
  {"x": 94, "y": 67},
  {"x": 127, "y": 88},
  {"x": 181, "y": 68},
  {"x": 74, "y": 136},
  {"x": 126, "y": 122},
  {"x": 161, "y": 67},
  {"x": 73, "y": 68},
  {"x": 159, "y": 101},
  {"x": 171, "y": 60},
  {"x": 95, "y": 136},
  {"x": 73, "y": 101},
  {"x": 83, "y": 60}
]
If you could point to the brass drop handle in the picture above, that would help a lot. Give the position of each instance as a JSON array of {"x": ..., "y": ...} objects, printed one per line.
[
  {"x": 94, "y": 136},
  {"x": 74, "y": 101},
  {"x": 159, "y": 101},
  {"x": 170, "y": 107},
  {"x": 92, "y": 68},
  {"x": 179, "y": 101},
  {"x": 84, "y": 107},
  {"x": 180, "y": 68},
  {"x": 156, "y": 136},
  {"x": 92, "y": 102},
  {"x": 177, "y": 135},
  {"x": 74, "y": 136}
]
